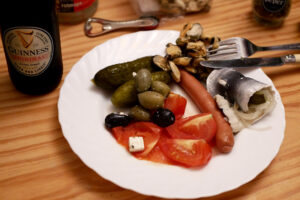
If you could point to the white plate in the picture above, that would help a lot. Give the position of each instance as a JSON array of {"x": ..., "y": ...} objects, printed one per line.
[{"x": 82, "y": 108}]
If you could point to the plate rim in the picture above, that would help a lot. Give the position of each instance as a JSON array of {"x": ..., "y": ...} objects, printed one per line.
[{"x": 130, "y": 188}]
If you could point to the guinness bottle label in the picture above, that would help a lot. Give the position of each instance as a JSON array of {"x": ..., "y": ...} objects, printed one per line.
[
  {"x": 30, "y": 49},
  {"x": 274, "y": 5}
]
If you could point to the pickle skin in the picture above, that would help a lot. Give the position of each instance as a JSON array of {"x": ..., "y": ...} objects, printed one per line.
[
  {"x": 126, "y": 94},
  {"x": 113, "y": 76}
]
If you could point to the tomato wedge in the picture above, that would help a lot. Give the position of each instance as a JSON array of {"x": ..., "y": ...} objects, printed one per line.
[
  {"x": 191, "y": 153},
  {"x": 176, "y": 103},
  {"x": 149, "y": 131},
  {"x": 200, "y": 126},
  {"x": 156, "y": 155}
]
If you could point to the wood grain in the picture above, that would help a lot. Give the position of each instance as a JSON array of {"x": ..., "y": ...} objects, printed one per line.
[{"x": 37, "y": 163}]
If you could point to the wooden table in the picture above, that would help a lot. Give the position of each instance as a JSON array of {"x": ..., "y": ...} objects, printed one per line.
[{"x": 36, "y": 162}]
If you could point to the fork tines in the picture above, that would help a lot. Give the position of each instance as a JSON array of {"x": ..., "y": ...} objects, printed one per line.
[{"x": 225, "y": 48}]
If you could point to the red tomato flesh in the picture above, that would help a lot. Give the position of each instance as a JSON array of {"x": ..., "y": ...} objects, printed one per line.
[
  {"x": 156, "y": 155},
  {"x": 190, "y": 153},
  {"x": 183, "y": 143},
  {"x": 176, "y": 103},
  {"x": 149, "y": 131},
  {"x": 200, "y": 126}
]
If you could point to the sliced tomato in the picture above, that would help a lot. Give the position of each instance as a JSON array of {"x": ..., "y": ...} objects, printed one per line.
[
  {"x": 190, "y": 153},
  {"x": 156, "y": 155},
  {"x": 200, "y": 126},
  {"x": 149, "y": 131},
  {"x": 176, "y": 103}
]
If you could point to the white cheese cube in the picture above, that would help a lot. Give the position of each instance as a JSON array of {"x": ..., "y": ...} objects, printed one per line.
[{"x": 136, "y": 144}]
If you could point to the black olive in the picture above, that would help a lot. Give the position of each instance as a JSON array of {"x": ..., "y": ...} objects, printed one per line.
[
  {"x": 117, "y": 119},
  {"x": 163, "y": 117}
]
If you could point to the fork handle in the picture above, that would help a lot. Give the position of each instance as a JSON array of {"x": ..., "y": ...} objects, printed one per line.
[{"x": 295, "y": 46}]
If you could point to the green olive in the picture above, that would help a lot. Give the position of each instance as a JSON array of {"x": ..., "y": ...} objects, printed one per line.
[
  {"x": 143, "y": 80},
  {"x": 139, "y": 113},
  {"x": 126, "y": 94},
  {"x": 160, "y": 87},
  {"x": 151, "y": 100}
]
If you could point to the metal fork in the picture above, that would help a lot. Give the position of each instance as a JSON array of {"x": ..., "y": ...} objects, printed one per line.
[{"x": 237, "y": 47}]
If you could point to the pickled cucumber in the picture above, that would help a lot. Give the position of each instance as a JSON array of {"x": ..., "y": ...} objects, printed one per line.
[
  {"x": 126, "y": 94},
  {"x": 161, "y": 76},
  {"x": 113, "y": 76}
]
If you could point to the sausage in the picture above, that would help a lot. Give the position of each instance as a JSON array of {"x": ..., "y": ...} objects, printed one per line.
[{"x": 205, "y": 102}]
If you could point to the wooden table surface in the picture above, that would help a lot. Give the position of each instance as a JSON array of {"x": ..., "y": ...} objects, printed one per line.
[{"x": 36, "y": 162}]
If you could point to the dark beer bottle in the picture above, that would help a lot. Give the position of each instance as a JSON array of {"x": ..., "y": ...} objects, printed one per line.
[{"x": 31, "y": 42}]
